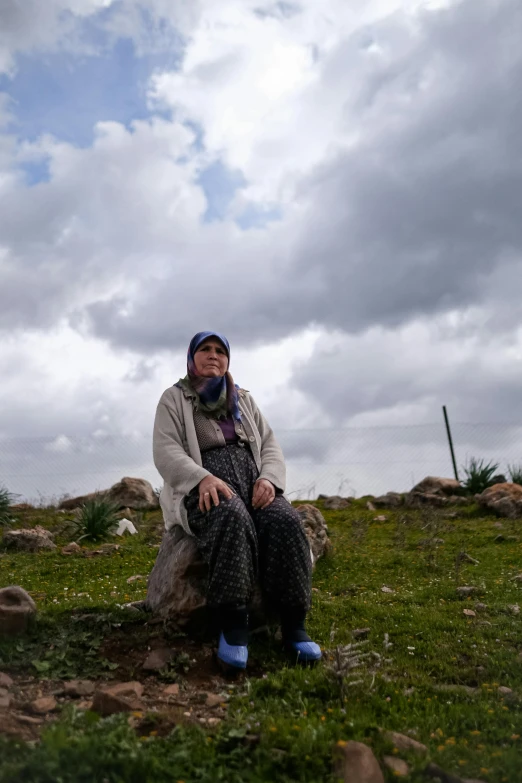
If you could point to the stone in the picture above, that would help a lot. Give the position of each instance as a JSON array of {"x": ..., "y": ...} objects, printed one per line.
[
  {"x": 505, "y": 500},
  {"x": 514, "y": 608},
  {"x": 389, "y": 500},
  {"x": 385, "y": 589},
  {"x": 133, "y": 493},
  {"x": 397, "y": 766},
  {"x": 123, "y": 697},
  {"x": 380, "y": 518},
  {"x": 158, "y": 659},
  {"x": 77, "y": 689},
  {"x": 16, "y": 609},
  {"x": 355, "y": 763},
  {"x": 213, "y": 721},
  {"x": 466, "y": 590},
  {"x": 28, "y": 539},
  {"x": 135, "y": 578},
  {"x": 370, "y": 506},
  {"x": 419, "y": 499},
  {"x": 480, "y": 607},
  {"x": 336, "y": 503},
  {"x": 5, "y": 681},
  {"x": 517, "y": 578},
  {"x": 5, "y": 699},
  {"x": 172, "y": 690},
  {"x": 499, "y": 479},
  {"x": 469, "y": 612},
  {"x": 504, "y": 690},
  {"x": 404, "y": 743},
  {"x": 71, "y": 549},
  {"x": 359, "y": 633},
  {"x": 213, "y": 700},
  {"x": 437, "y": 485},
  {"x": 177, "y": 583},
  {"x": 43, "y": 705}
]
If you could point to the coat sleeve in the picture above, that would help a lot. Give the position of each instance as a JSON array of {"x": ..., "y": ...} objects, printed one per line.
[
  {"x": 273, "y": 465},
  {"x": 174, "y": 465}
]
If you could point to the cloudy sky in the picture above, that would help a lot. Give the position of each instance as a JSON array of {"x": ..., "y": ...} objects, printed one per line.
[{"x": 335, "y": 186}]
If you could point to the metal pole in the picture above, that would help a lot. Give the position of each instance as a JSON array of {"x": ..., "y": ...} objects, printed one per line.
[{"x": 450, "y": 440}]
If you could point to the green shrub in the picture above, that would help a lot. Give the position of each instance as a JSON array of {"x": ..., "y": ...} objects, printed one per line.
[
  {"x": 515, "y": 473},
  {"x": 478, "y": 475},
  {"x": 97, "y": 519},
  {"x": 5, "y": 501}
]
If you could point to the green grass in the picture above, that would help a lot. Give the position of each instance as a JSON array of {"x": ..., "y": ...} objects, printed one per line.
[{"x": 283, "y": 726}]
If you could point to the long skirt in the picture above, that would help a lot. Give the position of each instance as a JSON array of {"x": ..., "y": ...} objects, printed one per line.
[{"x": 243, "y": 545}]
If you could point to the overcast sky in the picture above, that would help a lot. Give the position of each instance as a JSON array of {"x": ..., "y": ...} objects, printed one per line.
[{"x": 335, "y": 186}]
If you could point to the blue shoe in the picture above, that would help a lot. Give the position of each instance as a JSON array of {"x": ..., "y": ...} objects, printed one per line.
[
  {"x": 232, "y": 654},
  {"x": 307, "y": 652}
]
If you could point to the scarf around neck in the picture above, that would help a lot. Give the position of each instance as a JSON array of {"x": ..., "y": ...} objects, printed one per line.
[{"x": 215, "y": 397}]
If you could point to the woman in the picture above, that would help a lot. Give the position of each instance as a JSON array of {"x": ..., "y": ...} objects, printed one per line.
[{"x": 224, "y": 478}]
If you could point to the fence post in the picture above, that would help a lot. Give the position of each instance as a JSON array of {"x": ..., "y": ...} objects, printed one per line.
[{"x": 450, "y": 440}]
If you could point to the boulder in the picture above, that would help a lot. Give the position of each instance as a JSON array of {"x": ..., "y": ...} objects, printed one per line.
[
  {"x": 177, "y": 583},
  {"x": 438, "y": 486},
  {"x": 28, "y": 539},
  {"x": 124, "y": 697},
  {"x": 505, "y": 500},
  {"x": 133, "y": 493},
  {"x": 355, "y": 763},
  {"x": 71, "y": 549},
  {"x": 16, "y": 609},
  {"x": 389, "y": 500},
  {"x": 336, "y": 502}
]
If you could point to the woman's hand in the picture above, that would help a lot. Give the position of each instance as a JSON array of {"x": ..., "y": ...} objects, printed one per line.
[
  {"x": 209, "y": 487},
  {"x": 264, "y": 493}
]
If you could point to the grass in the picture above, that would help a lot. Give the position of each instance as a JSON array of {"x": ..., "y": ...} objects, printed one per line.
[
  {"x": 515, "y": 473},
  {"x": 479, "y": 475},
  {"x": 5, "y": 502},
  {"x": 97, "y": 519},
  {"x": 283, "y": 726}
]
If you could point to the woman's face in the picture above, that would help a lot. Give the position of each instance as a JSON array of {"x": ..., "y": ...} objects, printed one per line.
[{"x": 211, "y": 359}]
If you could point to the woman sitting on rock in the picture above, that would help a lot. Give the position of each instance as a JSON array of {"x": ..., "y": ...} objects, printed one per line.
[{"x": 224, "y": 476}]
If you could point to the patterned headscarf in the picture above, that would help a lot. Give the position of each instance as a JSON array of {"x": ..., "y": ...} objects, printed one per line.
[{"x": 216, "y": 397}]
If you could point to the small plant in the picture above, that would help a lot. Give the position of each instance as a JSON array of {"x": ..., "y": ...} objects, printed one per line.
[
  {"x": 97, "y": 519},
  {"x": 478, "y": 475},
  {"x": 515, "y": 473},
  {"x": 5, "y": 501}
]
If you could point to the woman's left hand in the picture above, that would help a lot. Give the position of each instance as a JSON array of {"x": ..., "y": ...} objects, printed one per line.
[{"x": 264, "y": 493}]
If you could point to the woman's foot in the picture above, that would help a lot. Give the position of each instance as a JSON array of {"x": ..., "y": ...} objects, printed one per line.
[
  {"x": 295, "y": 639},
  {"x": 232, "y": 648}
]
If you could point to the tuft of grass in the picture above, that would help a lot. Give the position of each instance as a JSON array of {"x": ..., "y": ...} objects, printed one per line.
[
  {"x": 97, "y": 519},
  {"x": 479, "y": 475},
  {"x": 515, "y": 474},
  {"x": 5, "y": 501}
]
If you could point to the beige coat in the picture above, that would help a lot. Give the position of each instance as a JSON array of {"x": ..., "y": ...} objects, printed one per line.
[{"x": 178, "y": 458}]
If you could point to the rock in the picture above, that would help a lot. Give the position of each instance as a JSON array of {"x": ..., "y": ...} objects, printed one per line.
[
  {"x": 43, "y": 705},
  {"x": 385, "y": 589},
  {"x": 71, "y": 549},
  {"x": 124, "y": 697},
  {"x": 213, "y": 721},
  {"x": 213, "y": 700},
  {"x": 370, "y": 506},
  {"x": 158, "y": 659},
  {"x": 177, "y": 583},
  {"x": 5, "y": 699},
  {"x": 504, "y": 690},
  {"x": 466, "y": 590},
  {"x": 499, "y": 479},
  {"x": 336, "y": 503},
  {"x": 404, "y": 743},
  {"x": 359, "y": 633},
  {"x": 356, "y": 763},
  {"x": 514, "y": 608},
  {"x": 389, "y": 500},
  {"x": 480, "y": 607},
  {"x": 505, "y": 500},
  {"x": 134, "y": 493},
  {"x": 397, "y": 766},
  {"x": 5, "y": 681},
  {"x": 28, "y": 539},
  {"x": 172, "y": 690},
  {"x": 77, "y": 689},
  {"x": 419, "y": 499},
  {"x": 469, "y": 612},
  {"x": 437, "y": 485},
  {"x": 517, "y": 578},
  {"x": 16, "y": 609},
  {"x": 380, "y": 518},
  {"x": 465, "y": 558},
  {"x": 132, "y": 579}
]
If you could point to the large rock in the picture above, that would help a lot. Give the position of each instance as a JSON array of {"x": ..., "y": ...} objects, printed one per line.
[
  {"x": 177, "y": 583},
  {"x": 503, "y": 499},
  {"x": 128, "y": 493},
  {"x": 16, "y": 609},
  {"x": 28, "y": 539},
  {"x": 389, "y": 500},
  {"x": 438, "y": 486},
  {"x": 336, "y": 502}
]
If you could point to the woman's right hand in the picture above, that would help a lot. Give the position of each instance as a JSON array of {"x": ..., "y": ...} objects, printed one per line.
[{"x": 209, "y": 487}]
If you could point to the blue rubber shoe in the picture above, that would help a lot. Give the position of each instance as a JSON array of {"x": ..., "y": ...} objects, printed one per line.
[
  {"x": 232, "y": 654},
  {"x": 306, "y": 652}
]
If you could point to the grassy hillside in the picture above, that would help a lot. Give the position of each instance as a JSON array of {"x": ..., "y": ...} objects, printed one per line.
[{"x": 433, "y": 671}]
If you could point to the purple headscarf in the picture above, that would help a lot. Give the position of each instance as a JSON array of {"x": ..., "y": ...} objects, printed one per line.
[{"x": 216, "y": 396}]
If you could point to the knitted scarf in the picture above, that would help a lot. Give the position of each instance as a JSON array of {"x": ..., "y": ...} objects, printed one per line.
[{"x": 215, "y": 397}]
